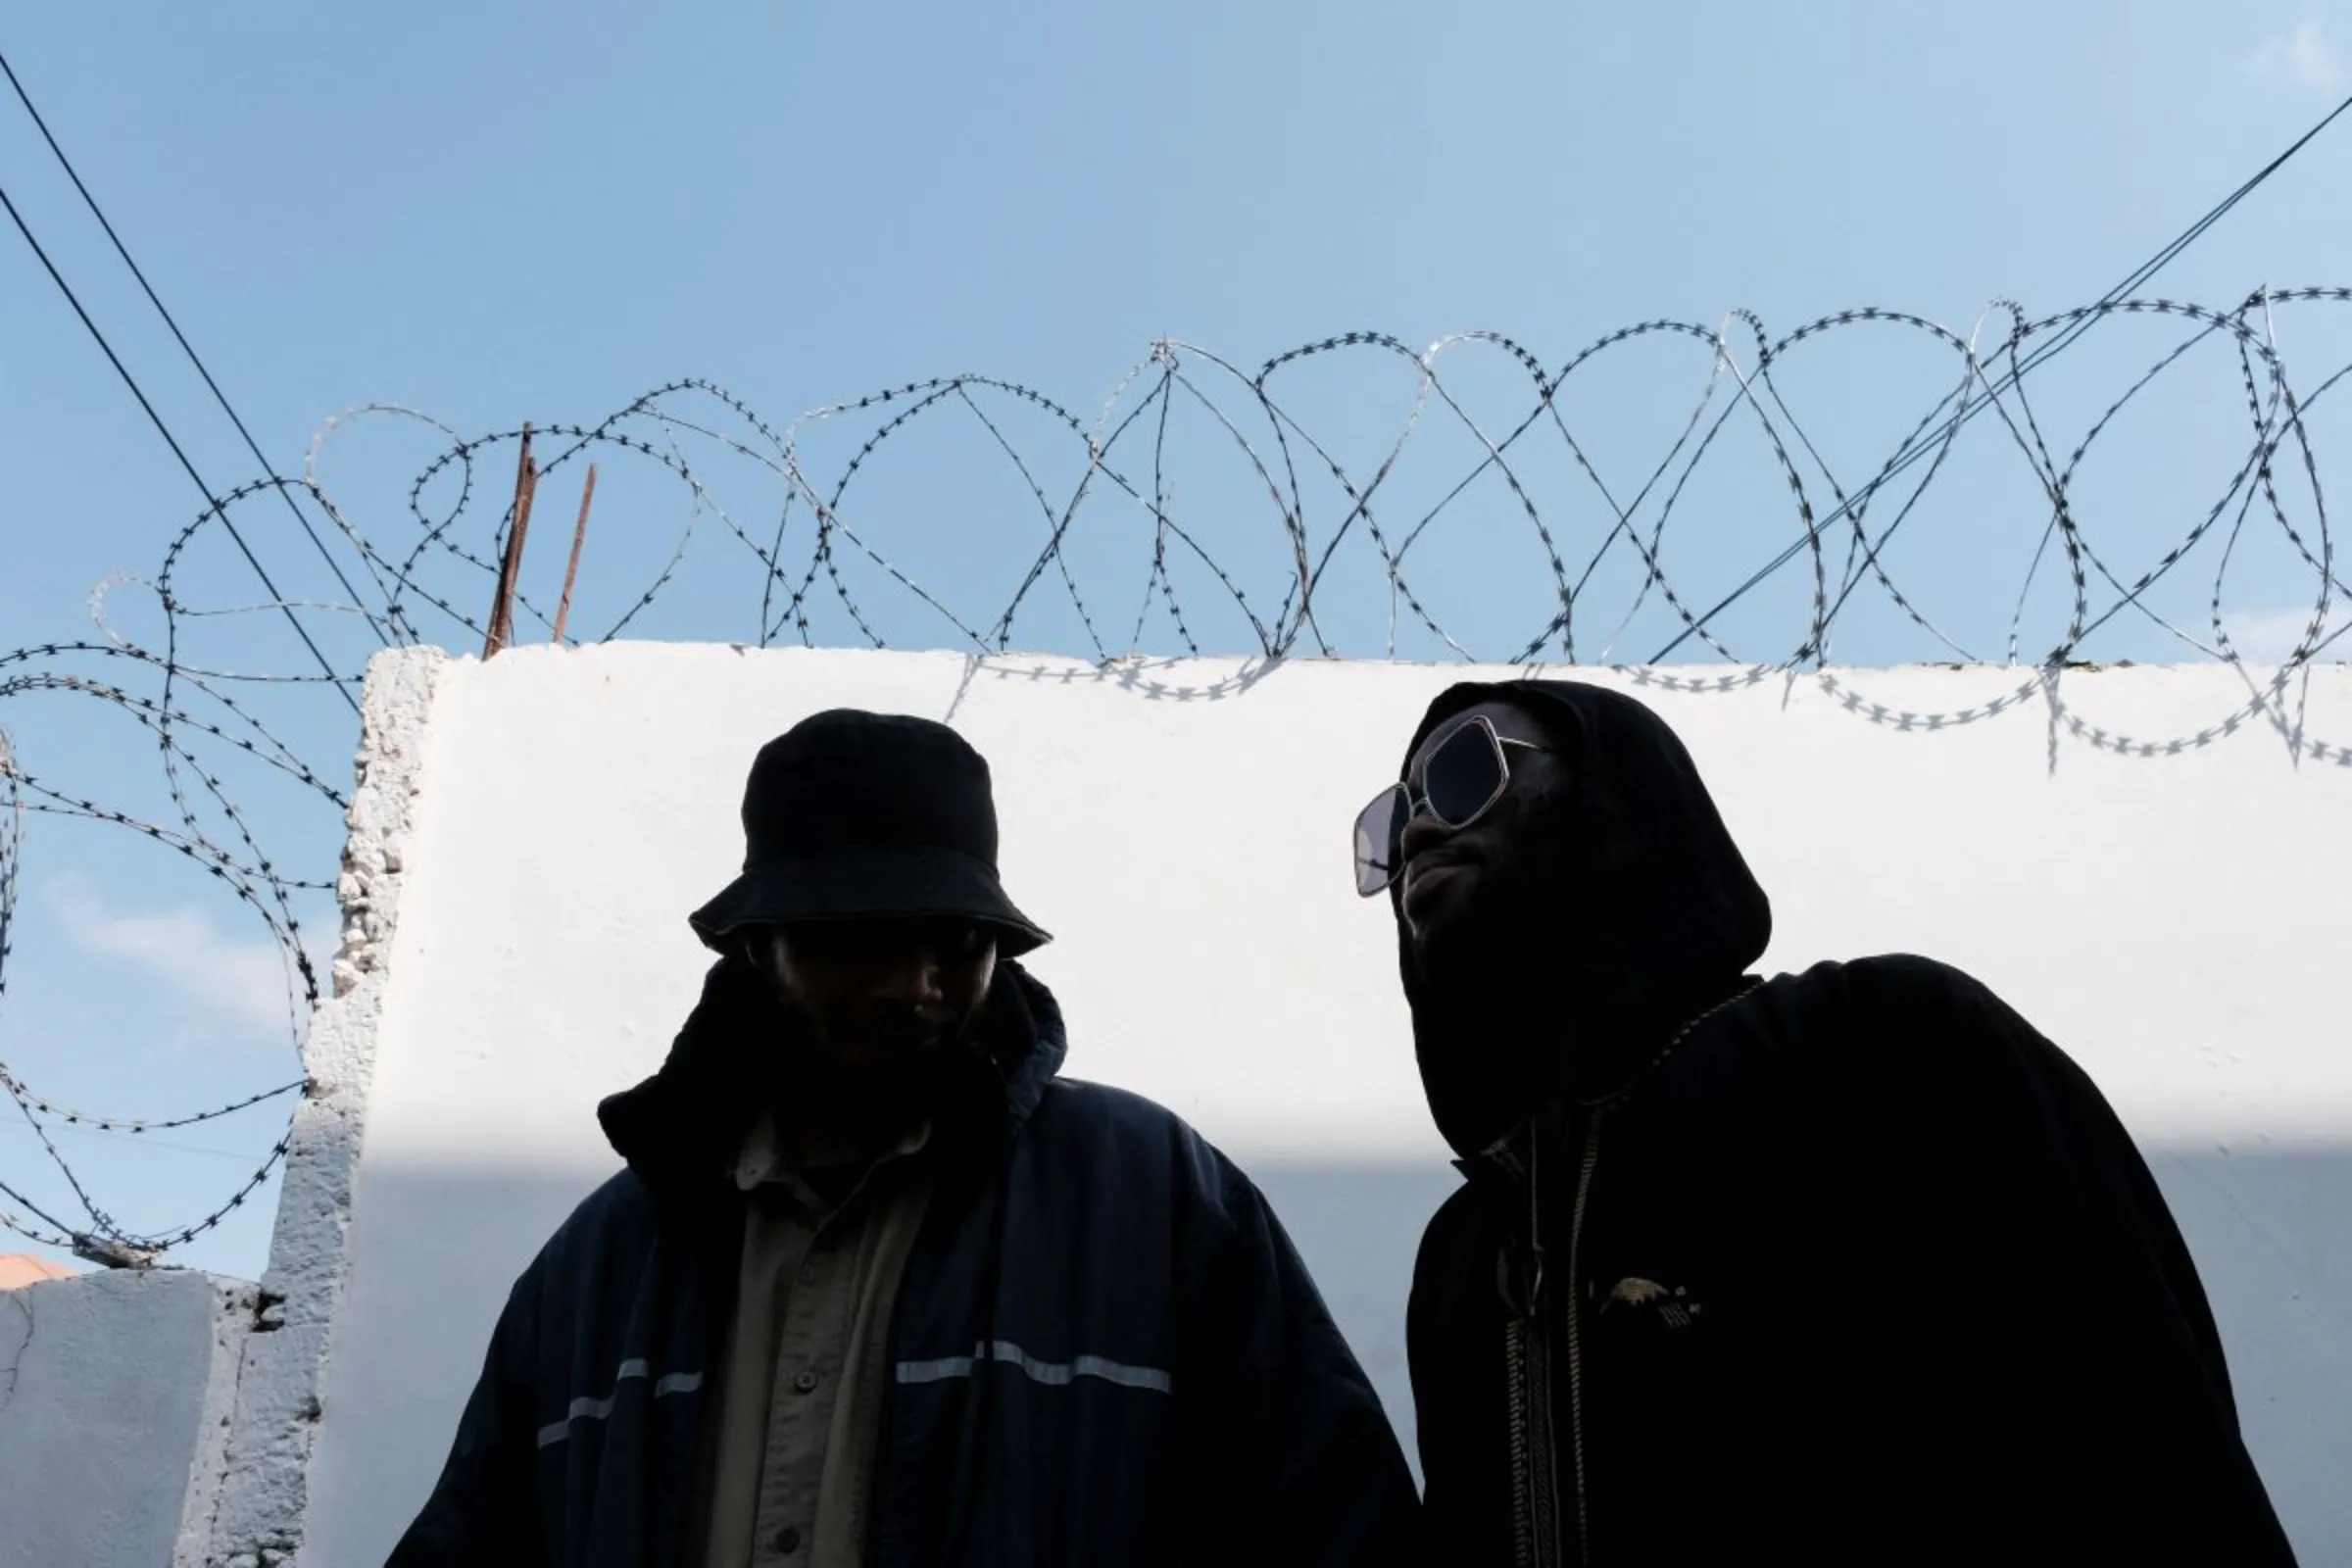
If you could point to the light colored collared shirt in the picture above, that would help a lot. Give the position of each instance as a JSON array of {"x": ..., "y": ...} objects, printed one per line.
[{"x": 798, "y": 1415}]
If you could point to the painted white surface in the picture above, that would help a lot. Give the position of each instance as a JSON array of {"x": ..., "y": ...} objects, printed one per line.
[
  {"x": 2175, "y": 920},
  {"x": 114, "y": 1392}
]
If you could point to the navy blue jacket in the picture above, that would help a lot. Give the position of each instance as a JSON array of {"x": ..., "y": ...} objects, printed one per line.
[{"x": 1105, "y": 1350}]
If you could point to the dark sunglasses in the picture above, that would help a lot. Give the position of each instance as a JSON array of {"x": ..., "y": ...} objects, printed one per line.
[{"x": 1462, "y": 779}]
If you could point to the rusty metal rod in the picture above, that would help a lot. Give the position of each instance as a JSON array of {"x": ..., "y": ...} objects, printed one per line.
[
  {"x": 502, "y": 610},
  {"x": 579, "y": 536}
]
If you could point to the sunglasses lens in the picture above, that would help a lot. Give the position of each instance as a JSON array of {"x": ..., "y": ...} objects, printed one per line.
[
  {"x": 1377, "y": 827},
  {"x": 1464, "y": 775}
]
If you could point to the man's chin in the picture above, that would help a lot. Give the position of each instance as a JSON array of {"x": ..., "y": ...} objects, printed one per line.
[
  {"x": 893, "y": 1073},
  {"x": 910, "y": 1079},
  {"x": 1454, "y": 948}
]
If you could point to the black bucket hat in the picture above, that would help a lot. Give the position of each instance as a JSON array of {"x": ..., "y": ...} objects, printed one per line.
[{"x": 852, "y": 815}]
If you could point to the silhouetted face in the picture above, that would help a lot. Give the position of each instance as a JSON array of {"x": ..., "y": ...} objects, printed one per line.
[
  {"x": 881, "y": 1001},
  {"x": 1456, "y": 880}
]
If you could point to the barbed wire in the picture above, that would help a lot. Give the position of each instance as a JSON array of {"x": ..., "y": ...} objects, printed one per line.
[{"x": 1240, "y": 510}]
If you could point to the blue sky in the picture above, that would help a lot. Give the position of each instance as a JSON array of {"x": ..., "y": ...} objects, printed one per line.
[{"x": 494, "y": 214}]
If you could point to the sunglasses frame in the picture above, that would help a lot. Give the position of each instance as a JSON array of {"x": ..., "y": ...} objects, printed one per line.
[{"x": 1415, "y": 804}]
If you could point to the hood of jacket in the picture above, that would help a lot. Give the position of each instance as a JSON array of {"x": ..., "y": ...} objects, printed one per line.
[
  {"x": 1648, "y": 915},
  {"x": 684, "y": 1126}
]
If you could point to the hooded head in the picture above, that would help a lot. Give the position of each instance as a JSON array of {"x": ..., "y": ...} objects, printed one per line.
[{"x": 1560, "y": 938}]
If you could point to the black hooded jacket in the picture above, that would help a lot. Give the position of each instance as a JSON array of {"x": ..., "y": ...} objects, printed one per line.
[
  {"x": 1846, "y": 1267},
  {"x": 1105, "y": 1349}
]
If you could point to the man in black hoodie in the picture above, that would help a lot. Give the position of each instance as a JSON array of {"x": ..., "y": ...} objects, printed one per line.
[
  {"x": 1846, "y": 1267},
  {"x": 881, "y": 1287}
]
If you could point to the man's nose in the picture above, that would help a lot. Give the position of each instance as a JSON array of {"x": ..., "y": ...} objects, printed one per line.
[{"x": 914, "y": 982}]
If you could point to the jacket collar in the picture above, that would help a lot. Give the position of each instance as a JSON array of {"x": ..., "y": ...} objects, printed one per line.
[{"x": 686, "y": 1124}]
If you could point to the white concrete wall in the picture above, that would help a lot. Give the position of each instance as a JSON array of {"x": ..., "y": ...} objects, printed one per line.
[
  {"x": 116, "y": 1392},
  {"x": 2174, "y": 920},
  {"x": 256, "y": 1516}
]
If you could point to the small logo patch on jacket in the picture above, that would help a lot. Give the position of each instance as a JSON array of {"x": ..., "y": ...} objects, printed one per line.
[{"x": 1648, "y": 1299}]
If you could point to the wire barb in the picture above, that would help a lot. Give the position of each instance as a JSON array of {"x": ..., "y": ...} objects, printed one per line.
[{"x": 1230, "y": 508}]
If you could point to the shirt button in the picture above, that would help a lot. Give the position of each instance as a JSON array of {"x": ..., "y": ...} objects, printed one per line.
[
  {"x": 788, "y": 1541},
  {"x": 805, "y": 1383},
  {"x": 808, "y": 1274}
]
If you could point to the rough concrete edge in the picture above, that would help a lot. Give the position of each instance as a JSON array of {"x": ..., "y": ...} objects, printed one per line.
[
  {"x": 255, "y": 1518},
  {"x": 233, "y": 1309}
]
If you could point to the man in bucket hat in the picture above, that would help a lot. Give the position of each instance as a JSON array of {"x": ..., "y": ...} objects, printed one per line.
[{"x": 878, "y": 1286}]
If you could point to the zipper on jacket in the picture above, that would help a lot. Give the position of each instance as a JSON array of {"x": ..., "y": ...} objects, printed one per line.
[
  {"x": 1523, "y": 1503},
  {"x": 1534, "y": 1450},
  {"x": 1576, "y": 1359},
  {"x": 1531, "y": 1376}
]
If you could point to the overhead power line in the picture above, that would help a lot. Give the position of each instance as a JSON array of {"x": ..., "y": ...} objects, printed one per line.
[
  {"x": 1926, "y": 442},
  {"x": 124, "y": 250},
  {"x": 212, "y": 498}
]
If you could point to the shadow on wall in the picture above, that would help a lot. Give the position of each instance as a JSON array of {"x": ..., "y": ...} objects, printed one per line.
[
  {"x": 1157, "y": 680},
  {"x": 2276, "y": 700},
  {"x": 410, "y": 1339},
  {"x": 2266, "y": 1228}
]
